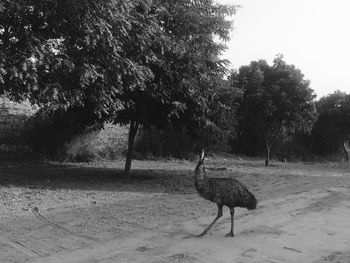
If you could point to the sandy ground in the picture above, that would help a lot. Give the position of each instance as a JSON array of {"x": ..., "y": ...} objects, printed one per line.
[{"x": 302, "y": 216}]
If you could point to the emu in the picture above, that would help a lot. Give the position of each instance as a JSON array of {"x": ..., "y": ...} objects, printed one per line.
[{"x": 222, "y": 191}]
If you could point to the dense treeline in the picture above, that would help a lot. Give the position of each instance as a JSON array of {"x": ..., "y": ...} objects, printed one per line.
[
  {"x": 325, "y": 135},
  {"x": 255, "y": 116},
  {"x": 332, "y": 127}
]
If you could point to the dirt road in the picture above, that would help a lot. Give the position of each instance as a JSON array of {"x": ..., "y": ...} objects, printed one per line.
[{"x": 302, "y": 216}]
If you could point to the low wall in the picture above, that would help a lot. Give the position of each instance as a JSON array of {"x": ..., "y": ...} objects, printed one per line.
[{"x": 14, "y": 123}]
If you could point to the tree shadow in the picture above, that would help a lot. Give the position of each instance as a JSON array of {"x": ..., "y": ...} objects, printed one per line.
[{"x": 75, "y": 177}]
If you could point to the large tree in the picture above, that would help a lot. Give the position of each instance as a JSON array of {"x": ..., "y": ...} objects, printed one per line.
[
  {"x": 140, "y": 63},
  {"x": 75, "y": 56},
  {"x": 277, "y": 101},
  {"x": 183, "y": 58}
]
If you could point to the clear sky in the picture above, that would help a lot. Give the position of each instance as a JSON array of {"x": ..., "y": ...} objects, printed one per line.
[{"x": 314, "y": 35}]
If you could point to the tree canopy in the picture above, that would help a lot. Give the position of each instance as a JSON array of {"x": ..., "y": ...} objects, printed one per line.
[
  {"x": 276, "y": 102},
  {"x": 141, "y": 63}
]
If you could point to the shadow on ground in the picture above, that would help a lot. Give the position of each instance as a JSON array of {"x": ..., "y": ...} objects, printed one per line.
[
  {"x": 167, "y": 177},
  {"x": 76, "y": 177}
]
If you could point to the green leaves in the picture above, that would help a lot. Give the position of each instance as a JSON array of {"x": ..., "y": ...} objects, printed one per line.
[
  {"x": 277, "y": 101},
  {"x": 175, "y": 42},
  {"x": 151, "y": 62}
]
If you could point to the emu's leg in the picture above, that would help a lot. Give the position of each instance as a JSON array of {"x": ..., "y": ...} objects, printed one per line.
[
  {"x": 232, "y": 213},
  {"x": 216, "y": 218}
]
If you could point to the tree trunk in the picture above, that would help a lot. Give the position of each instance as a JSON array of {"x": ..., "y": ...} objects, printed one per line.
[
  {"x": 346, "y": 149},
  {"x": 131, "y": 138},
  {"x": 267, "y": 153}
]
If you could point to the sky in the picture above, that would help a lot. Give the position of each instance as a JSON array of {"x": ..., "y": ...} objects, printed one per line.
[{"x": 314, "y": 35}]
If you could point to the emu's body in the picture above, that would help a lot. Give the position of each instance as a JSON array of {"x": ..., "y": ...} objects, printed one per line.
[{"x": 222, "y": 191}]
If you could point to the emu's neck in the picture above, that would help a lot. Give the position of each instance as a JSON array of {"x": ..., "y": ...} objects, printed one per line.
[{"x": 199, "y": 175}]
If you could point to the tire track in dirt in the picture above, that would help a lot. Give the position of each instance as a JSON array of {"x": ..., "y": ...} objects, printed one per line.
[
  {"x": 20, "y": 247},
  {"x": 43, "y": 219}
]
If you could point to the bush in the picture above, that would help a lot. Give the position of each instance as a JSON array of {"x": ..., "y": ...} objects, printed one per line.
[
  {"x": 68, "y": 136},
  {"x": 108, "y": 144},
  {"x": 82, "y": 148}
]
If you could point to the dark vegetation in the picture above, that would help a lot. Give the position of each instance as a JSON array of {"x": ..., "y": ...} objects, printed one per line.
[{"x": 155, "y": 66}]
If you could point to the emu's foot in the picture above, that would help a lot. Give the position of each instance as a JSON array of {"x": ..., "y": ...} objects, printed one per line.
[{"x": 229, "y": 234}]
